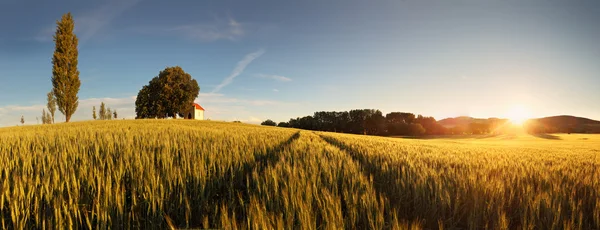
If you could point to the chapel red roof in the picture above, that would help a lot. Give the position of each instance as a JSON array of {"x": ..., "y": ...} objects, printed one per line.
[{"x": 198, "y": 106}]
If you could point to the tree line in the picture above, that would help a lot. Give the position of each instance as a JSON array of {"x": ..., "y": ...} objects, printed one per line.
[
  {"x": 373, "y": 122},
  {"x": 368, "y": 122}
]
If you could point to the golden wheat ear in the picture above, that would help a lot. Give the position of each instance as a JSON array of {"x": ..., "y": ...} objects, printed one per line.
[{"x": 169, "y": 222}]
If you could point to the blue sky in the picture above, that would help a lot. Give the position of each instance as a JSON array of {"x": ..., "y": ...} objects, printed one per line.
[{"x": 280, "y": 59}]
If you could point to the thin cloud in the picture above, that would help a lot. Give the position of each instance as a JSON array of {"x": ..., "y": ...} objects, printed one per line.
[
  {"x": 216, "y": 98},
  {"x": 207, "y": 32},
  {"x": 108, "y": 100},
  {"x": 275, "y": 90},
  {"x": 239, "y": 68},
  {"x": 90, "y": 23},
  {"x": 274, "y": 77}
]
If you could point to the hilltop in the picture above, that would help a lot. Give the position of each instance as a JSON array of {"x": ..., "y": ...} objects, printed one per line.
[
  {"x": 553, "y": 124},
  {"x": 564, "y": 124}
]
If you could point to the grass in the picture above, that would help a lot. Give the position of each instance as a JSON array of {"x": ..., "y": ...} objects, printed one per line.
[{"x": 156, "y": 174}]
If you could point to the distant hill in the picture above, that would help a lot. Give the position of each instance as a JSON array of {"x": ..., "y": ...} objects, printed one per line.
[
  {"x": 554, "y": 124},
  {"x": 564, "y": 124},
  {"x": 466, "y": 121}
]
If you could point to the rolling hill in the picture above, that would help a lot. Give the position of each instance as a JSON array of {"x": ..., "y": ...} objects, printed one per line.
[
  {"x": 565, "y": 124},
  {"x": 554, "y": 124}
]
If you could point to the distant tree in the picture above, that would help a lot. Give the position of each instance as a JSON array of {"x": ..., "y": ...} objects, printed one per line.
[
  {"x": 268, "y": 122},
  {"x": 283, "y": 124},
  {"x": 44, "y": 116},
  {"x": 357, "y": 121},
  {"x": 108, "y": 115},
  {"x": 308, "y": 122},
  {"x": 167, "y": 95},
  {"x": 375, "y": 123},
  {"x": 430, "y": 124},
  {"x": 145, "y": 107},
  {"x": 366, "y": 121},
  {"x": 22, "y": 120},
  {"x": 51, "y": 105},
  {"x": 478, "y": 128},
  {"x": 94, "y": 112},
  {"x": 65, "y": 76},
  {"x": 115, "y": 114},
  {"x": 341, "y": 121},
  {"x": 37, "y": 120},
  {"x": 102, "y": 111},
  {"x": 416, "y": 129},
  {"x": 237, "y": 122}
]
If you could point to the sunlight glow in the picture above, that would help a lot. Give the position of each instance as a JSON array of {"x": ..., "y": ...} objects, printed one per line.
[{"x": 518, "y": 114}]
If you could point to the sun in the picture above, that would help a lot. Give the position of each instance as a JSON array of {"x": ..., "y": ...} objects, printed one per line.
[{"x": 518, "y": 114}]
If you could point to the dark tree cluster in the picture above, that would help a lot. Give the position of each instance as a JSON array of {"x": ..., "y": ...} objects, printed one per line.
[
  {"x": 368, "y": 122},
  {"x": 268, "y": 123},
  {"x": 169, "y": 94}
]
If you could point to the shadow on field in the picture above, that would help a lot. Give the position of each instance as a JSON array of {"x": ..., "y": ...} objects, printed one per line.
[
  {"x": 271, "y": 156},
  {"x": 547, "y": 136},
  {"x": 382, "y": 179},
  {"x": 227, "y": 189}
]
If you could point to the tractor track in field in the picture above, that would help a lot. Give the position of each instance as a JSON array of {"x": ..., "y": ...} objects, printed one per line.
[
  {"x": 369, "y": 170},
  {"x": 235, "y": 182},
  {"x": 271, "y": 156}
]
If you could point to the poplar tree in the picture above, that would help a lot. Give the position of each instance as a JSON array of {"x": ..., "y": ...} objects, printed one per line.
[
  {"x": 94, "y": 113},
  {"x": 65, "y": 76},
  {"x": 108, "y": 115},
  {"x": 102, "y": 111},
  {"x": 51, "y": 105},
  {"x": 44, "y": 117}
]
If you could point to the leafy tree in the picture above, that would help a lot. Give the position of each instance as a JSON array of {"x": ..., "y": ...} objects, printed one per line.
[
  {"x": 51, "y": 105},
  {"x": 429, "y": 124},
  {"x": 44, "y": 117},
  {"x": 65, "y": 76},
  {"x": 416, "y": 129},
  {"x": 375, "y": 123},
  {"x": 283, "y": 124},
  {"x": 102, "y": 111},
  {"x": 169, "y": 94},
  {"x": 94, "y": 113},
  {"x": 22, "y": 120},
  {"x": 115, "y": 114},
  {"x": 108, "y": 115},
  {"x": 268, "y": 122}
]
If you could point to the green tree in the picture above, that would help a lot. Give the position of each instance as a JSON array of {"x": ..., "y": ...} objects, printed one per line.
[
  {"x": 22, "y": 120},
  {"x": 170, "y": 93},
  {"x": 268, "y": 122},
  {"x": 44, "y": 117},
  {"x": 108, "y": 114},
  {"x": 65, "y": 76},
  {"x": 102, "y": 111},
  {"x": 115, "y": 114},
  {"x": 51, "y": 105},
  {"x": 94, "y": 113}
]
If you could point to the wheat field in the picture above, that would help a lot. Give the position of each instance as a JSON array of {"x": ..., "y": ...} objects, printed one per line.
[{"x": 157, "y": 174}]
